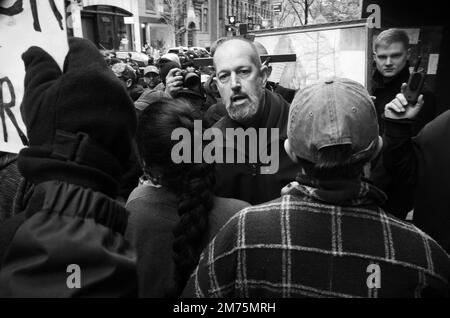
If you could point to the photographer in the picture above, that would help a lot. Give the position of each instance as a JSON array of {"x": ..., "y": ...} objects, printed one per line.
[
  {"x": 186, "y": 84},
  {"x": 420, "y": 165}
]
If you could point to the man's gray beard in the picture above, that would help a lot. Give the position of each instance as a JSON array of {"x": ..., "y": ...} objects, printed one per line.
[{"x": 242, "y": 114}]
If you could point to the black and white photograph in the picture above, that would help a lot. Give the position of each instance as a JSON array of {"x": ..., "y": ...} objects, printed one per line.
[{"x": 251, "y": 149}]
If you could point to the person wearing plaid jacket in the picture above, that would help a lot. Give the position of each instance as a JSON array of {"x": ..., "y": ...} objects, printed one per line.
[{"x": 326, "y": 236}]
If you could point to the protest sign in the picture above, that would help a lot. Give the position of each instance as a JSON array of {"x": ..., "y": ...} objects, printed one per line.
[{"x": 25, "y": 23}]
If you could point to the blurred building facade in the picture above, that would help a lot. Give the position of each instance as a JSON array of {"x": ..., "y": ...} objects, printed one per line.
[
  {"x": 110, "y": 24},
  {"x": 256, "y": 14},
  {"x": 168, "y": 23},
  {"x": 129, "y": 25}
]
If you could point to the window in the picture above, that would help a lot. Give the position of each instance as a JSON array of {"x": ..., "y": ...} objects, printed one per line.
[
  {"x": 106, "y": 27},
  {"x": 205, "y": 20},
  {"x": 150, "y": 5}
]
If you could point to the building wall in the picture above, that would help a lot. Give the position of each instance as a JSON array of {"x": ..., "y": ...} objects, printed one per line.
[
  {"x": 260, "y": 10},
  {"x": 153, "y": 29}
]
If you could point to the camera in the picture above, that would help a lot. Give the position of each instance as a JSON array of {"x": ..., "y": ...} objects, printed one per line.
[{"x": 191, "y": 79}]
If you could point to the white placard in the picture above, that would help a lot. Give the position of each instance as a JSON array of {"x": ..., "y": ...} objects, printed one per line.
[
  {"x": 24, "y": 24},
  {"x": 128, "y": 20},
  {"x": 277, "y": 72},
  {"x": 433, "y": 61}
]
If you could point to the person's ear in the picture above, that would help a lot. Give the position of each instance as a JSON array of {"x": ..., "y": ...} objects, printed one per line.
[
  {"x": 374, "y": 56},
  {"x": 129, "y": 83},
  {"x": 290, "y": 153},
  {"x": 270, "y": 70},
  {"x": 264, "y": 74},
  {"x": 379, "y": 148}
]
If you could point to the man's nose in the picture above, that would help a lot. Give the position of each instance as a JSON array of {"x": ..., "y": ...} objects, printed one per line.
[
  {"x": 388, "y": 60},
  {"x": 235, "y": 82}
]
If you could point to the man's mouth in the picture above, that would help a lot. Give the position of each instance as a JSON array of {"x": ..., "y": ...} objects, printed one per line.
[{"x": 238, "y": 98}]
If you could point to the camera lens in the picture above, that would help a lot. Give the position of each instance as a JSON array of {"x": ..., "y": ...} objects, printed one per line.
[{"x": 192, "y": 81}]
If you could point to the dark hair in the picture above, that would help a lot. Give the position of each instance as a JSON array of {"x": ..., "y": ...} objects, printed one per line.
[
  {"x": 391, "y": 36},
  {"x": 333, "y": 163},
  {"x": 193, "y": 183}
]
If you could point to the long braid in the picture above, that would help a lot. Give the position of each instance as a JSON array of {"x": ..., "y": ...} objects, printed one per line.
[
  {"x": 196, "y": 200},
  {"x": 195, "y": 203},
  {"x": 193, "y": 183}
]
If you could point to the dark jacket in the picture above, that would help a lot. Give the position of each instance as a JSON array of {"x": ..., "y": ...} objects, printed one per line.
[
  {"x": 153, "y": 217},
  {"x": 214, "y": 113},
  {"x": 327, "y": 240},
  {"x": 135, "y": 92},
  {"x": 244, "y": 181},
  {"x": 385, "y": 92},
  {"x": 69, "y": 229},
  {"x": 10, "y": 179},
  {"x": 66, "y": 224},
  {"x": 421, "y": 166},
  {"x": 288, "y": 94}
]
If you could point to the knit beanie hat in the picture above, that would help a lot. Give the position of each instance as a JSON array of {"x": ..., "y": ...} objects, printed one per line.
[{"x": 80, "y": 122}]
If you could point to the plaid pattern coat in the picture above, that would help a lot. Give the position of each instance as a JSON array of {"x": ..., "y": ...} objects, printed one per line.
[{"x": 332, "y": 242}]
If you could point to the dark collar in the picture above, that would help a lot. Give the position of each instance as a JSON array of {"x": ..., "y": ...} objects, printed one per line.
[
  {"x": 272, "y": 114},
  {"x": 380, "y": 81}
]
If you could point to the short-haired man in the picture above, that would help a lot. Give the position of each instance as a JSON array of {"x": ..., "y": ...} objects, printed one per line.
[
  {"x": 241, "y": 81},
  {"x": 391, "y": 55},
  {"x": 327, "y": 235}
]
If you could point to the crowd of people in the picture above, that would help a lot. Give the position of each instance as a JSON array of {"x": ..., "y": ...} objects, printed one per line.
[{"x": 98, "y": 186}]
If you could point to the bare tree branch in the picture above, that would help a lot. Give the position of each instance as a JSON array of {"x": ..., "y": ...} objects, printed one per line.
[{"x": 295, "y": 9}]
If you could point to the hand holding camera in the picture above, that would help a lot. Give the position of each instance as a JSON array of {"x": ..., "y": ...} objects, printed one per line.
[
  {"x": 399, "y": 108},
  {"x": 177, "y": 80},
  {"x": 174, "y": 81}
]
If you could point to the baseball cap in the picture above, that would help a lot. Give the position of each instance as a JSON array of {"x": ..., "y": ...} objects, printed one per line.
[
  {"x": 333, "y": 112},
  {"x": 171, "y": 57},
  {"x": 151, "y": 69}
]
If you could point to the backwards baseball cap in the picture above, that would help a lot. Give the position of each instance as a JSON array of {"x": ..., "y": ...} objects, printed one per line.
[
  {"x": 151, "y": 69},
  {"x": 333, "y": 112}
]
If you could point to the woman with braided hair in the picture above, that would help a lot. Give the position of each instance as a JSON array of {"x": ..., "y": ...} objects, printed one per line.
[{"x": 173, "y": 212}]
